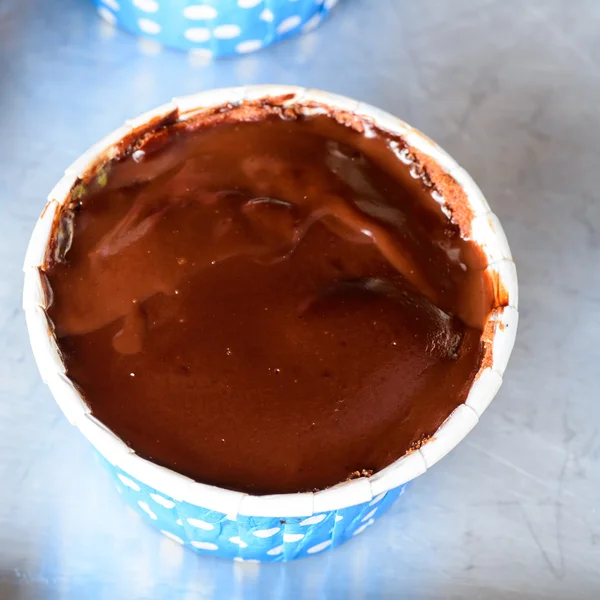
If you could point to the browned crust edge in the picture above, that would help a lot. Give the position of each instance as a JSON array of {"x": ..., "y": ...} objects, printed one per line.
[{"x": 454, "y": 195}]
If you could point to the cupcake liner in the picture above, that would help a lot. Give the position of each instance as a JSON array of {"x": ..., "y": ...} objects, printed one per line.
[
  {"x": 246, "y": 537},
  {"x": 215, "y": 28},
  {"x": 277, "y": 527}
]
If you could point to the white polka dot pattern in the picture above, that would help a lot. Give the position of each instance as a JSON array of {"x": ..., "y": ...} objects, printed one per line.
[
  {"x": 227, "y": 32},
  {"x": 246, "y": 538},
  {"x": 148, "y": 6},
  {"x": 200, "y": 524},
  {"x": 266, "y": 533},
  {"x": 148, "y": 26},
  {"x": 128, "y": 482},
  {"x": 292, "y": 537},
  {"x": 267, "y": 16},
  {"x": 204, "y": 545},
  {"x": 221, "y": 27},
  {"x": 144, "y": 506},
  {"x": 248, "y": 46},
  {"x": 238, "y": 541},
  {"x": 312, "y": 23},
  {"x": 377, "y": 499},
  {"x": 199, "y": 11},
  {"x": 288, "y": 24},
  {"x": 369, "y": 515},
  {"x": 313, "y": 520},
  {"x": 363, "y": 527},
  {"x": 162, "y": 500},
  {"x": 275, "y": 551},
  {"x": 108, "y": 16},
  {"x": 197, "y": 34},
  {"x": 319, "y": 547}
]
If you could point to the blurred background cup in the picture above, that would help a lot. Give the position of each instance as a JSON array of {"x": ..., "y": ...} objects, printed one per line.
[{"x": 215, "y": 28}]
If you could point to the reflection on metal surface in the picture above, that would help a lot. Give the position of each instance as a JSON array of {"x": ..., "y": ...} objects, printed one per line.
[{"x": 513, "y": 513}]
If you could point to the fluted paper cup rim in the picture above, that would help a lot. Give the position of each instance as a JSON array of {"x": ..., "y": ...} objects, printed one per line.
[{"x": 499, "y": 334}]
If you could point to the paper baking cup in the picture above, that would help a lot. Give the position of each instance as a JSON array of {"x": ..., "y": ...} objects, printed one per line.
[
  {"x": 214, "y": 28},
  {"x": 216, "y": 521}
]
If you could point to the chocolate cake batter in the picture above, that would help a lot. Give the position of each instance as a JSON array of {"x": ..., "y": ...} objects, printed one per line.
[{"x": 268, "y": 306}]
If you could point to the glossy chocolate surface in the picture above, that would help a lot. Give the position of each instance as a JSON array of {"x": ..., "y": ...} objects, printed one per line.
[{"x": 270, "y": 306}]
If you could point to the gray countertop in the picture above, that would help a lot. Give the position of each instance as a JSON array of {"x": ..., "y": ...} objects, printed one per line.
[{"x": 511, "y": 88}]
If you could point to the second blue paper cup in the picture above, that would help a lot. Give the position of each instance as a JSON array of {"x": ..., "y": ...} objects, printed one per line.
[{"x": 215, "y": 28}]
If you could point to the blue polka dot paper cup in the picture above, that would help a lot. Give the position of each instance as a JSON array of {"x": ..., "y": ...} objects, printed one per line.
[
  {"x": 215, "y": 521},
  {"x": 215, "y": 28}
]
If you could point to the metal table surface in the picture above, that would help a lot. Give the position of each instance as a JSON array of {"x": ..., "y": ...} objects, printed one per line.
[{"x": 512, "y": 90}]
